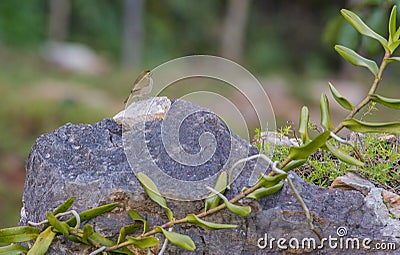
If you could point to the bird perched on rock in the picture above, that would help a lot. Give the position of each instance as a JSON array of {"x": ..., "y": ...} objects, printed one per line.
[{"x": 141, "y": 86}]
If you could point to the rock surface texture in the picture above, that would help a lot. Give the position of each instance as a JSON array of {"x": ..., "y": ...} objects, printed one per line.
[{"x": 88, "y": 162}]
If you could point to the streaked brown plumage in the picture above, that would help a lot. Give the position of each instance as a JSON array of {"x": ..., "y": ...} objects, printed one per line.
[{"x": 141, "y": 86}]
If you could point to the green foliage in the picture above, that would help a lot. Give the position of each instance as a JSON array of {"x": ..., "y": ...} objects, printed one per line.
[
  {"x": 59, "y": 226},
  {"x": 53, "y": 227},
  {"x": 18, "y": 234},
  {"x": 368, "y": 127},
  {"x": 302, "y": 152},
  {"x": 236, "y": 209},
  {"x": 61, "y": 209},
  {"x": 137, "y": 217},
  {"x": 87, "y": 232},
  {"x": 381, "y": 159},
  {"x": 22, "y": 24},
  {"x": 357, "y": 60},
  {"x": 340, "y": 99},
  {"x": 270, "y": 181},
  {"x": 397, "y": 59},
  {"x": 193, "y": 219},
  {"x": 100, "y": 25},
  {"x": 293, "y": 164},
  {"x": 374, "y": 17},
  {"x": 343, "y": 156},
  {"x": 389, "y": 102},
  {"x": 381, "y": 162},
  {"x": 285, "y": 130},
  {"x": 64, "y": 206},
  {"x": 325, "y": 113},
  {"x": 212, "y": 200},
  {"x": 183, "y": 241},
  {"x": 127, "y": 230},
  {"x": 337, "y": 157},
  {"x": 303, "y": 125},
  {"x": 143, "y": 242},
  {"x": 339, "y": 31},
  {"x": 265, "y": 191},
  {"x": 93, "y": 213},
  {"x": 42, "y": 242},
  {"x": 362, "y": 28},
  {"x": 152, "y": 191},
  {"x": 394, "y": 33},
  {"x": 323, "y": 169},
  {"x": 13, "y": 249}
]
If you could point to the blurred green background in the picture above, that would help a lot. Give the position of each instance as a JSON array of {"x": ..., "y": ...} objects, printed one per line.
[{"x": 74, "y": 60}]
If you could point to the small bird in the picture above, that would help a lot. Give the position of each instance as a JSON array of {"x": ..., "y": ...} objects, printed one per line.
[{"x": 141, "y": 86}]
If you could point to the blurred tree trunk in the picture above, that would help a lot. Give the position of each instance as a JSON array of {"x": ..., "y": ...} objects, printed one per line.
[
  {"x": 59, "y": 19},
  {"x": 233, "y": 29},
  {"x": 133, "y": 33}
]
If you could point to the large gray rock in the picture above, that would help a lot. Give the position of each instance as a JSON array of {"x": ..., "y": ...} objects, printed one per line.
[{"x": 88, "y": 162}]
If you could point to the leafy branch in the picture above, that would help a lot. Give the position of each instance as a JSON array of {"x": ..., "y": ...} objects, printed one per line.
[{"x": 350, "y": 122}]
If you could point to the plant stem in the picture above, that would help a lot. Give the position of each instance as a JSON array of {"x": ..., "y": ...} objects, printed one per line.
[
  {"x": 184, "y": 220},
  {"x": 164, "y": 246},
  {"x": 372, "y": 90},
  {"x": 281, "y": 165},
  {"x": 211, "y": 211},
  {"x": 93, "y": 242},
  {"x": 357, "y": 108},
  {"x": 305, "y": 208}
]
